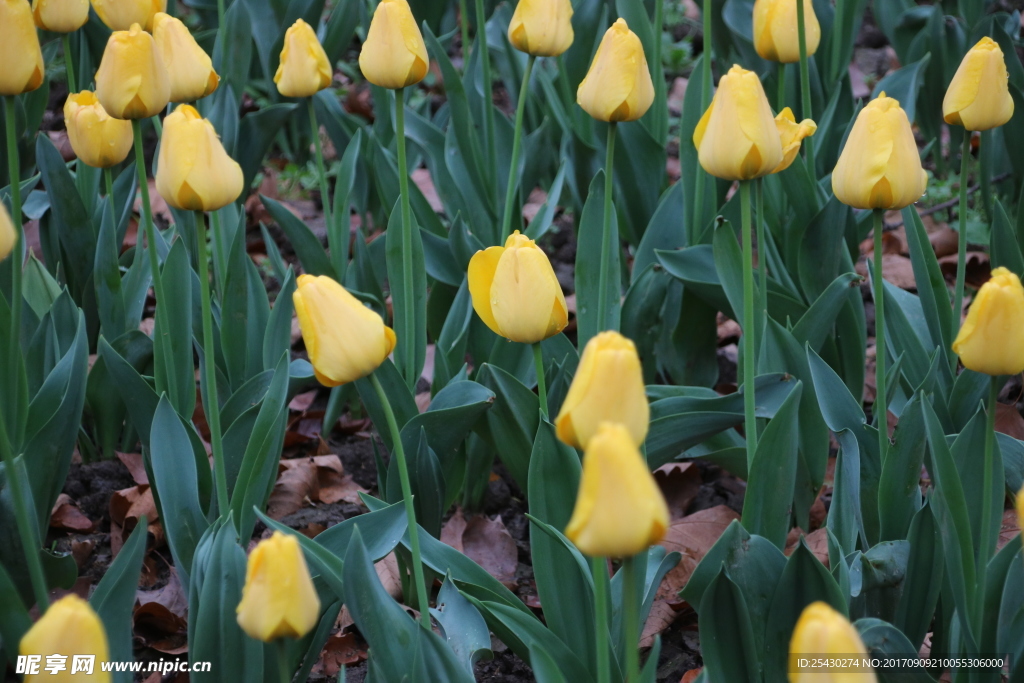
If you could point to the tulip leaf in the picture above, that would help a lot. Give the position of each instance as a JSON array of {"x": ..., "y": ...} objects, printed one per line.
[
  {"x": 14, "y": 619},
  {"x": 545, "y": 670},
  {"x": 450, "y": 345},
  {"x": 409, "y": 294},
  {"x": 399, "y": 396},
  {"x": 903, "y": 84},
  {"x": 462, "y": 626},
  {"x": 967, "y": 450},
  {"x": 425, "y": 478},
  {"x": 899, "y": 495},
  {"x": 662, "y": 232},
  {"x": 881, "y": 639},
  {"x": 172, "y": 352},
  {"x": 258, "y": 130},
  {"x": 245, "y": 312},
  {"x": 512, "y": 421},
  {"x": 107, "y": 275},
  {"x": 307, "y": 247},
  {"x": 931, "y": 285},
  {"x": 640, "y": 172},
  {"x": 588, "y": 267},
  {"x": 277, "y": 338},
  {"x": 1010, "y": 627},
  {"x": 845, "y": 520},
  {"x": 923, "y": 582},
  {"x": 114, "y": 597},
  {"x": 641, "y": 311},
  {"x": 729, "y": 647}
]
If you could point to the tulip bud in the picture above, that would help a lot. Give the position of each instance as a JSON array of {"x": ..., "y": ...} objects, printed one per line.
[
  {"x": 880, "y": 166},
  {"x": 193, "y": 171},
  {"x": 991, "y": 340},
  {"x": 542, "y": 28},
  {"x": 190, "y": 68},
  {"x": 278, "y": 600},
  {"x": 345, "y": 340},
  {"x": 393, "y": 55},
  {"x": 1020, "y": 508},
  {"x": 978, "y": 98},
  {"x": 8, "y": 236},
  {"x": 608, "y": 387},
  {"x": 98, "y": 139},
  {"x": 515, "y": 291},
  {"x": 132, "y": 81},
  {"x": 618, "y": 86},
  {"x": 791, "y": 134},
  {"x": 20, "y": 54},
  {"x": 119, "y": 15},
  {"x": 69, "y": 627},
  {"x": 737, "y": 138},
  {"x": 304, "y": 69},
  {"x": 620, "y": 510},
  {"x": 776, "y": 31},
  {"x": 821, "y": 631},
  {"x": 60, "y": 16}
]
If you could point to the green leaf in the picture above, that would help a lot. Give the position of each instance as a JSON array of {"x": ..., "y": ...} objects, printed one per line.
[
  {"x": 899, "y": 494},
  {"x": 1004, "y": 247},
  {"x": 903, "y": 84},
  {"x": 14, "y": 619},
  {"x": 923, "y": 582},
  {"x": 883, "y": 639},
  {"x": 259, "y": 129},
  {"x": 114, "y": 597},
  {"x": 425, "y": 478},
  {"x": 727, "y": 639},
  {"x": 403, "y": 284},
  {"x": 462, "y": 626},
  {"x": 172, "y": 354},
  {"x": 662, "y": 232},
  {"x": 545, "y": 669},
  {"x": 245, "y": 312},
  {"x": 307, "y": 246},
  {"x": 399, "y": 396},
  {"x": 278, "y": 337},
  {"x": 641, "y": 314},
  {"x": 512, "y": 421},
  {"x": 588, "y": 266}
]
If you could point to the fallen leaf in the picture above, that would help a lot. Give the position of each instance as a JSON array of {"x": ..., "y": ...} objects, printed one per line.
[
  {"x": 302, "y": 402},
  {"x": 1009, "y": 528},
  {"x": 161, "y": 618},
  {"x": 1009, "y": 421},
  {"x": 389, "y": 575},
  {"x": 133, "y": 461},
  {"x": 80, "y": 550},
  {"x": 296, "y": 482},
  {"x": 817, "y": 543},
  {"x": 691, "y": 675},
  {"x": 680, "y": 483},
  {"x": 126, "y": 508},
  {"x": 896, "y": 269},
  {"x": 333, "y": 484},
  {"x": 67, "y": 516},
  {"x": 977, "y": 269},
  {"x": 485, "y": 541},
  {"x": 341, "y": 649},
  {"x": 421, "y": 176}
]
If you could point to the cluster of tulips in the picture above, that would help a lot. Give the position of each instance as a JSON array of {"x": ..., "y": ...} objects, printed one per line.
[{"x": 152, "y": 60}]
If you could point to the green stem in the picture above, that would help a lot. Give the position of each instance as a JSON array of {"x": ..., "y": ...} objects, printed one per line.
[
  {"x": 599, "y": 567},
  {"x": 542, "y": 391},
  {"x": 27, "y": 529},
  {"x": 780, "y": 102},
  {"x": 705, "y": 102},
  {"x": 221, "y": 261},
  {"x": 212, "y": 405},
  {"x": 407, "y": 312},
  {"x": 108, "y": 182},
  {"x": 17, "y": 261},
  {"x": 410, "y": 511},
  {"x": 837, "y": 38},
  {"x": 282, "y": 656},
  {"x": 881, "y": 397},
  {"x": 985, "y": 547},
  {"x": 631, "y": 620},
  {"x": 464, "y": 25},
  {"x": 961, "y": 251},
  {"x": 325, "y": 198},
  {"x": 607, "y": 239},
  {"x": 485, "y": 61},
  {"x": 517, "y": 143},
  {"x": 221, "y": 29},
  {"x": 805, "y": 84},
  {"x": 749, "y": 363},
  {"x": 762, "y": 255},
  {"x": 69, "y": 63}
]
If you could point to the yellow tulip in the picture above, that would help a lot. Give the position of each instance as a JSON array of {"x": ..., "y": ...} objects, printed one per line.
[
  {"x": 991, "y": 340},
  {"x": 791, "y": 134},
  {"x": 821, "y": 631},
  {"x": 515, "y": 291},
  {"x": 69, "y": 627},
  {"x": 618, "y": 86},
  {"x": 978, "y": 98},
  {"x": 279, "y": 600},
  {"x": 608, "y": 387},
  {"x": 1020, "y": 508},
  {"x": 619, "y": 508},
  {"x": 194, "y": 172},
  {"x": 393, "y": 55},
  {"x": 132, "y": 81},
  {"x": 880, "y": 166},
  {"x": 190, "y": 68},
  {"x": 304, "y": 69},
  {"x": 737, "y": 138},
  {"x": 20, "y": 54},
  {"x": 119, "y": 15},
  {"x": 542, "y": 28},
  {"x": 60, "y": 16},
  {"x": 98, "y": 139},
  {"x": 345, "y": 340},
  {"x": 776, "y": 31},
  {"x": 7, "y": 234}
]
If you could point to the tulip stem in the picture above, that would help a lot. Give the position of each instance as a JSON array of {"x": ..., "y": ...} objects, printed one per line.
[
  {"x": 805, "y": 84},
  {"x": 705, "y": 102},
  {"x": 398, "y": 451},
  {"x": 221, "y": 262},
  {"x": 631, "y": 619},
  {"x": 282, "y": 661},
  {"x": 69, "y": 65},
  {"x": 599, "y": 568},
  {"x": 542, "y": 390},
  {"x": 488, "y": 104},
  {"x": 17, "y": 262},
  {"x": 749, "y": 421},
  {"x": 407, "y": 311},
  {"x": 211, "y": 404},
  {"x": 325, "y": 198},
  {"x": 961, "y": 245},
  {"x": 464, "y": 26},
  {"x": 780, "y": 103},
  {"x": 607, "y": 239},
  {"x": 988, "y": 467},
  {"x": 517, "y": 143},
  {"x": 108, "y": 182},
  {"x": 881, "y": 397},
  {"x": 762, "y": 255}
]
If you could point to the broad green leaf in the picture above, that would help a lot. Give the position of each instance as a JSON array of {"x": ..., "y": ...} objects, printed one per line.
[
  {"x": 588, "y": 266},
  {"x": 114, "y": 597},
  {"x": 729, "y": 648}
]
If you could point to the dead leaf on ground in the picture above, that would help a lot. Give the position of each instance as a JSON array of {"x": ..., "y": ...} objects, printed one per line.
[
  {"x": 66, "y": 515},
  {"x": 334, "y": 484},
  {"x": 133, "y": 461},
  {"x": 944, "y": 240},
  {"x": 126, "y": 508},
  {"x": 896, "y": 269},
  {"x": 161, "y": 617},
  {"x": 1009, "y": 421},
  {"x": 425, "y": 183},
  {"x": 340, "y": 649},
  {"x": 296, "y": 482},
  {"x": 485, "y": 541},
  {"x": 680, "y": 483},
  {"x": 533, "y": 204},
  {"x": 691, "y": 675},
  {"x": 389, "y": 575},
  {"x": 817, "y": 543},
  {"x": 1009, "y": 528},
  {"x": 302, "y": 402},
  {"x": 976, "y": 272}
]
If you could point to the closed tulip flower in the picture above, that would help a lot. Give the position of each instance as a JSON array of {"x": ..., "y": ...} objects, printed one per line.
[
  {"x": 791, "y": 134},
  {"x": 69, "y": 627},
  {"x": 190, "y": 68},
  {"x": 608, "y": 387},
  {"x": 345, "y": 340},
  {"x": 193, "y": 171},
  {"x": 991, "y": 340},
  {"x": 978, "y": 98},
  {"x": 304, "y": 69},
  {"x": 394, "y": 54},
  {"x": 119, "y": 15},
  {"x": 132, "y": 81},
  {"x": 737, "y": 138},
  {"x": 515, "y": 291},
  {"x": 542, "y": 28},
  {"x": 7, "y": 234},
  {"x": 60, "y": 16},
  {"x": 619, "y": 508},
  {"x": 98, "y": 139},
  {"x": 880, "y": 166},
  {"x": 20, "y": 54},
  {"x": 821, "y": 631},
  {"x": 279, "y": 600},
  {"x": 618, "y": 86},
  {"x": 1020, "y": 508},
  {"x": 776, "y": 32}
]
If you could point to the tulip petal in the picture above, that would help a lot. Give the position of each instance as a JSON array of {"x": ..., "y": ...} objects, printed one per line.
[
  {"x": 20, "y": 53},
  {"x": 481, "y": 275},
  {"x": 393, "y": 54},
  {"x": 304, "y": 68},
  {"x": 991, "y": 340},
  {"x": 618, "y": 85}
]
